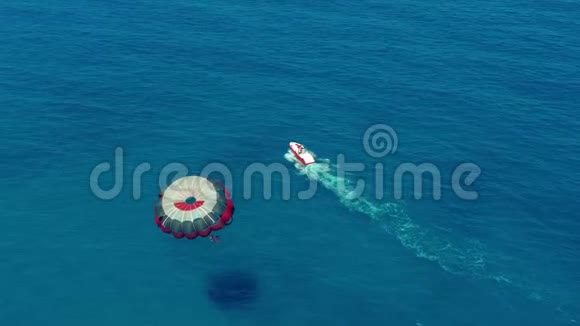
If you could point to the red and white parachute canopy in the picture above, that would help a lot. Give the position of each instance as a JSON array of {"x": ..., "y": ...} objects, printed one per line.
[{"x": 194, "y": 206}]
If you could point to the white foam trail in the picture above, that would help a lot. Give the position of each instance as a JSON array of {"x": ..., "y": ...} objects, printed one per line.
[
  {"x": 464, "y": 256},
  {"x": 393, "y": 218}
]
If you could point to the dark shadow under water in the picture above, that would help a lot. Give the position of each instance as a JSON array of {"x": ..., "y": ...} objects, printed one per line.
[{"x": 231, "y": 290}]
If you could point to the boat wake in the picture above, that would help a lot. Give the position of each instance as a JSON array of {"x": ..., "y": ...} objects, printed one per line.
[
  {"x": 467, "y": 257},
  {"x": 393, "y": 219}
]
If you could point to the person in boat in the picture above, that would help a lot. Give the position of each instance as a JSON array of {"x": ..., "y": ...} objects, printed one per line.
[{"x": 300, "y": 149}]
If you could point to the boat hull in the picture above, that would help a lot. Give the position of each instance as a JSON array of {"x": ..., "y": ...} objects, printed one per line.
[{"x": 305, "y": 157}]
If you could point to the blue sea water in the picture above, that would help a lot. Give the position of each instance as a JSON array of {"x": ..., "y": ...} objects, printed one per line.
[{"x": 493, "y": 83}]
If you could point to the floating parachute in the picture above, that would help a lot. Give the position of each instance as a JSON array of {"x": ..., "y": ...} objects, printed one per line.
[{"x": 194, "y": 206}]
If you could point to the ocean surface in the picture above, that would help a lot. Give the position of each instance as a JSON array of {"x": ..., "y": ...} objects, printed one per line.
[{"x": 180, "y": 87}]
